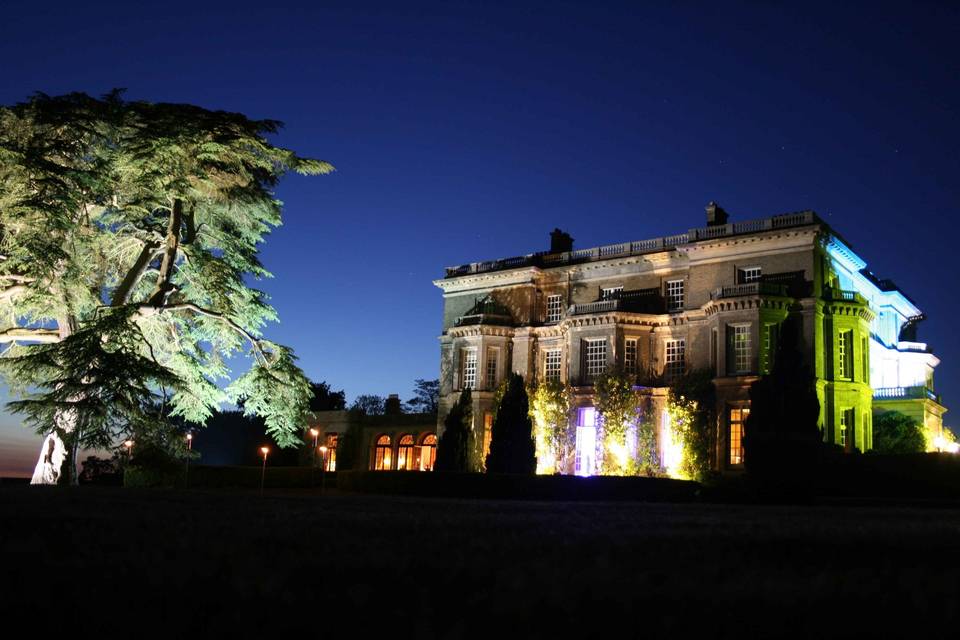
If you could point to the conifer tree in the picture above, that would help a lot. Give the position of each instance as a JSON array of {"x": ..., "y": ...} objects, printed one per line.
[
  {"x": 129, "y": 233},
  {"x": 781, "y": 436},
  {"x": 512, "y": 449},
  {"x": 456, "y": 442}
]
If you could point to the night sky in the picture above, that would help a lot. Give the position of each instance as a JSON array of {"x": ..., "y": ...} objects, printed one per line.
[{"x": 466, "y": 131}]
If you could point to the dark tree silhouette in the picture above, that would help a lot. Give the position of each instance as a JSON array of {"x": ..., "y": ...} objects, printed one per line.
[
  {"x": 781, "y": 437},
  {"x": 453, "y": 450},
  {"x": 426, "y": 396},
  {"x": 512, "y": 449},
  {"x": 324, "y": 399},
  {"x": 369, "y": 405}
]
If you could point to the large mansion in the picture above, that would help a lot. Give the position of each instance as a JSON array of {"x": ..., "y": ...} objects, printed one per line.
[{"x": 709, "y": 298}]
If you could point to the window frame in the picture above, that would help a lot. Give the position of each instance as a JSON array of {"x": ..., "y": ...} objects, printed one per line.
[
  {"x": 674, "y": 367},
  {"x": 593, "y": 366},
  {"x": 548, "y": 360},
  {"x": 746, "y": 275},
  {"x": 675, "y": 296},
  {"x": 554, "y": 312}
]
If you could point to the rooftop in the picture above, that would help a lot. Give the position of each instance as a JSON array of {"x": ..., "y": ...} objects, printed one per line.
[{"x": 547, "y": 259}]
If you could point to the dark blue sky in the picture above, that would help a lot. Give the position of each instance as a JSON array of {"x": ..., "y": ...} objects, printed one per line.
[{"x": 466, "y": 130}]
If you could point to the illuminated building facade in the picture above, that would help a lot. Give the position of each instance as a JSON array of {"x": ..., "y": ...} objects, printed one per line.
[{"x": 710, "y": 298}]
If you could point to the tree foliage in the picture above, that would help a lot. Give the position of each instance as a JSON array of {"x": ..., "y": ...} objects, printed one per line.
[
  {"x": 550, "y": 410},
  {"x": 512, "y": 449},
  {"x": 618, "y": 410},
  {"x": 138, "y": 225},
  {"x": 691, "y": 406},
  {"x": 894, "y": 432},
  {"x": 426, "y": 396},
  {"x": 457, "y": 441},
  {"x": 369, "y": 405},
  {"x": 324, "y": 399}
]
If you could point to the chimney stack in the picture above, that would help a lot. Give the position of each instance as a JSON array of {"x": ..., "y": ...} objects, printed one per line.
[
  {"x": 560, "y": 241},
  {"x": 392, "y": 406},
  {"x": 716, "y": 216}
]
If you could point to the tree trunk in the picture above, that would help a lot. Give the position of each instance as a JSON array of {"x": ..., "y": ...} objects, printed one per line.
[{"x": 57, "y": 463}]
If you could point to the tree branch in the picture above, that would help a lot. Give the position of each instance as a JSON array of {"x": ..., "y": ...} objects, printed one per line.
[
  {"x": 164, "y": 286},
  {"x": 122, "y": 293},
  {"x": 148, "y": 310},
  {"x": 17, "y": 334}
]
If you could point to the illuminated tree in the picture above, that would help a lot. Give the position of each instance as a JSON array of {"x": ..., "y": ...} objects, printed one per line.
[
  {"x": 512, "y": 449},
  {"x": 550, "y": 411},
  {"x": 691, "y": 407},
  {"x": 129, "y": 233},
  {"x": 618, "y": 409},
  {"x": 456, "y": 442}
]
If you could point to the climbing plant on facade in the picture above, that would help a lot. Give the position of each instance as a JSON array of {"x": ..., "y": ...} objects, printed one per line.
[
  {"x": 550, "y": 411},
  {"x": 129, "y": 236}
]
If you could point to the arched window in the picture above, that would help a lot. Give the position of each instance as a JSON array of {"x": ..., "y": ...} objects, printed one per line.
[
  {"x": 405, "y": 453},
  {"x": 428, "y": 452},
  {"x": 382, "y": 454}
]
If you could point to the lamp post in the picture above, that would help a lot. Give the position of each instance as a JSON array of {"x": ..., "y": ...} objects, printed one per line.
[
  {"x": 263, "y": 472},
  {"x": 129, "y": 446},
  {"x": 186, "y": 477},
  {"x": 323, "y": 467}
]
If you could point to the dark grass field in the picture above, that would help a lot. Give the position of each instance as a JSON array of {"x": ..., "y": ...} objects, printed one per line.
[{"x": 178, "y": 564}]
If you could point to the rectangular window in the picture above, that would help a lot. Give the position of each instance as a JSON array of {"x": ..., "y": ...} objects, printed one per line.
[
  {"x": 595, "y": 358},
  {"x": 846, "y": 429},
  {"x": 630, "y": 356},
  {"x": 747, "y": 275},
  {"x": 551, "y": 364},
  {"x": 469, "y": 372},
  {"x": 554, "y": 308},
  {"x": 714, "y": 352},
  {"x": 865, "y": 368},
  {"x": 738, "y": 416},
  {"x": 741, "y": 348},
  {"x": 770, "y": 335},
  {"x": 674, "y": 295},
  {"x": 492, "y": 357},
  {"x": 610, "y": 292},
  {"x": 845, "y": 355},
  {"x": 675, "y": 351}
]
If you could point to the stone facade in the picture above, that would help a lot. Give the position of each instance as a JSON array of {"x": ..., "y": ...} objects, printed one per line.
[{"x": 712, "y": 298}]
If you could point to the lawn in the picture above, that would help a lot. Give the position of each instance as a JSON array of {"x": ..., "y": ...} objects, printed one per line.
[{"x": 229, "y": 562}]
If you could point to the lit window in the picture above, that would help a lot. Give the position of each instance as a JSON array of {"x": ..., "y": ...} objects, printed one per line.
[
  {"x": 469, "y": 376},
  {"x": 674, "y": 295},
  {"x": 331, "y": 463},
  {"x": 595, "y": 358},
  {"x": 492, "y": 356},
  {"x": 675, "y": 358},
  {"x": 382, "y": 454},
  {"x": 551, "y": 368},
  {"x": 845, "y": 355},
  {"x": 630, "y": 356},
  {"x": 738, "y": 416},
  {"x": 428, "y": 452},
  {"x": 610, "y": 292},
  {"x": 554, "y": 308},
  {"x": 748, "y": 274},
  {"x": 405, "y": 453}
]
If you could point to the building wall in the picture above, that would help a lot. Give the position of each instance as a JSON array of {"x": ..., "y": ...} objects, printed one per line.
[{"x": 837, "y": 300}]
